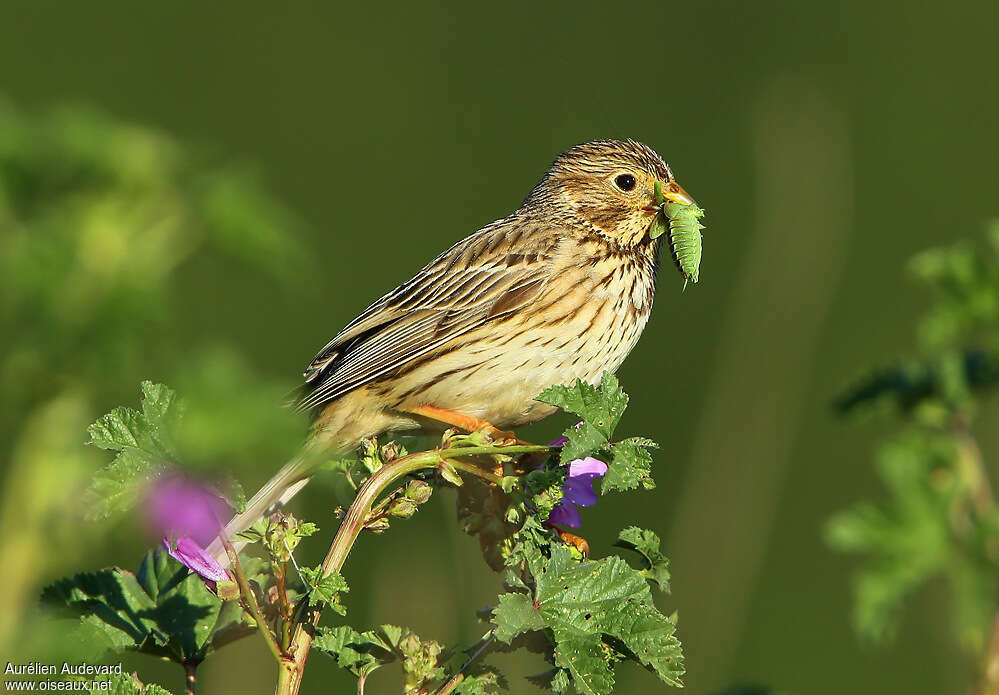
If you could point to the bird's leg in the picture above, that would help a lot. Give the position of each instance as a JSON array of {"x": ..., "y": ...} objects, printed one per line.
[
  {"x": 465, "y": 422},
  {"x": 469, "y": 424}
]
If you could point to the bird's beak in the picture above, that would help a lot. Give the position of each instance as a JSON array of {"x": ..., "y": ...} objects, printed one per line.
[{"x": 674, "y": 193}]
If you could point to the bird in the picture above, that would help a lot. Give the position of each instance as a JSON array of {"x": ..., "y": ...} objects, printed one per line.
[{"x": 559, "y": 290}]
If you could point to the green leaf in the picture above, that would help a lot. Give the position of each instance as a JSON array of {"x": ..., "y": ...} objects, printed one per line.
[
  {"x": 545, "y": 488},
  {"x": 482, "y": 680},
  {"x": 584, "y": 604},
  {"x": 124, "y": 684},
  {"x": 556, "y": 679},
  {"x": 630, "y": 466},
  {"x": 306, "y": 529},
  {"x": 909, "y": 385},
  {"x": 600, "y": 408},
  {"x": 325, "y": 589},
  {"x": 237, "y": 496},
  {"x": 515, "y": 614},
  {"x": 279, "y": 534},
  {"x": 908, "y": 539},
  {"x": 581, "y": 653},
  {"x": 584, "y": 440},
  {"x": 352, "y": 650},
  {"x": 114, "y": 603},
  {"x": 449, "y": 474},
  {"x": 362, "y": 653},
  {"x": 646, "y": 543},
  {"x": 144, "y": 442},
  {"x": 161, "y": 610}
]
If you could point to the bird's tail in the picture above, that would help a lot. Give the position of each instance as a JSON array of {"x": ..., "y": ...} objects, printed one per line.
[{"x": 278, "y": 490}]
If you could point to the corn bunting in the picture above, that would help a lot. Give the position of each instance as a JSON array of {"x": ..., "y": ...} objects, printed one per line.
[{"x": 559, "y": 290}]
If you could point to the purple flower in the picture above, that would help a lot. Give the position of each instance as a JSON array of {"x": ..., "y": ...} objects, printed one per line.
[
  {"x": 190, "y": 554},
  {"x": 178, "y": 506},
  {"x": 577, "y": 490}
]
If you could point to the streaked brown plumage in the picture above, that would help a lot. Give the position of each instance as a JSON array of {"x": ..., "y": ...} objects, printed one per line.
[{"x": 559, "y": 290}]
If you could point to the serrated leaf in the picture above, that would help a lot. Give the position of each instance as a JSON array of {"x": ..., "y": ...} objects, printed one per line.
[
  {"x": 583, "y": 602},
  {"x": 237, "y": 496},
  {"x": 630, "y": 466},
  {"x": 362, "y": 653},
  {"x": 325, "y": 589},
  {"x": 560, "y": 681},
  {"x": 123, "y": 684},
  {"x": 909, "y": 538},
  {"x": 306, "y": 529},
  {"x": 161, "y": 610},
  {"x": 581, "y": 654},
  {"x": 113, "y": 602},
  {"x": 482, "y": 680},
  {"x": 143, "y": 440},
  {"x": 119, "y": 429},
  {"x": 600, "y": 408},
  {"x": 582, "y": 441},
  {"x": 390, "y": 635},
  {"x": 514, "y": 614},
  {"x": 352, "y": 650},
  {"x": 647, "y": 544},
  {"x": 556, "y": 679}
]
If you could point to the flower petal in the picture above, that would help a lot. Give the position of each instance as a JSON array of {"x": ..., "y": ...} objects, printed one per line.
[
  {"x": 188, "y": 553},
  {"x": 589, "y": 465},
  {"x": 566, "y": 514},
  {"x": 578, "y": 486},
  {"x": 178, "y": 506}
]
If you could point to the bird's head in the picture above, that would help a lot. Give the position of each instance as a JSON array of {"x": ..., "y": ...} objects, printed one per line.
[{"x": 608, "y": 186}]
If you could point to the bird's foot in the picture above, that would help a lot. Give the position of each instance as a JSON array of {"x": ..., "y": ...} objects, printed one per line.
[{"x": 468, "y": 423}]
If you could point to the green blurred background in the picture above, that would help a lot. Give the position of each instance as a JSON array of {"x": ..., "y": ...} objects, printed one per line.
[{"x": 827, "y": 141}]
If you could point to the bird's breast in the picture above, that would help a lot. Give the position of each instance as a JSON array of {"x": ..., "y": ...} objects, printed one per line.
[{"x": 585, "y": 323}]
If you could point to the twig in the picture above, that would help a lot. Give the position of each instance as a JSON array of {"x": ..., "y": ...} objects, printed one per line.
[
  {"x": 455, "y": 680},
  {"x": 250, "y": 599},
  {"x": 475, "y": 470},
  {"x": 190, "y": 677},
  {"x": 990, "y": 667},
  {"x": 290, "y": 677},
  {"x": 971, "y": 465}
]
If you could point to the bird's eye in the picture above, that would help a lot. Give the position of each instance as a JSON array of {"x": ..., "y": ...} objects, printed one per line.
[{"x": 625, "y": 182}]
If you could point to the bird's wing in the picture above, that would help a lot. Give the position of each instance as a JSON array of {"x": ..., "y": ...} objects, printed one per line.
[{"x": 484, "y": 277}]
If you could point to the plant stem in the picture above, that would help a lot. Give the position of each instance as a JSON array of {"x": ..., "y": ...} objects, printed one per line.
[
  {"x": 250, "y": 599},
  {"x": 190, "y": 677},
  {"x": 281, "y": 577},
  {"x": 971, "y": 466},
  {"x": 990, "y": 667},
  {"x": 290, "y": 677},
  {"x": 475, "y": 470},
  {"x": 455, "y": 680}
]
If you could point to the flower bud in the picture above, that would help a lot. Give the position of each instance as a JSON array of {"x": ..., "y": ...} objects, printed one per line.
[{"x": 419, "y": 491}]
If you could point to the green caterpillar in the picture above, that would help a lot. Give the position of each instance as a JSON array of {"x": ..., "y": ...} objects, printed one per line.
[{"x": 685, "y": 233}]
